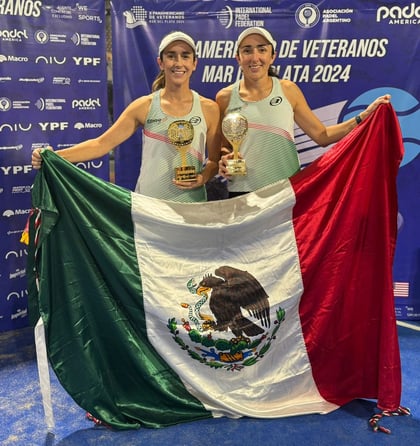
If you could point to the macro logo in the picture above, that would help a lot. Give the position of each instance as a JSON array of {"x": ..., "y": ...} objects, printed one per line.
[
  {"x": 87, "y": 125},
  {"x": 397, "y": 15},
  {"x": 8, "y": 213},
  {"x": 307, "y": 15},
  {"x": 225, "y": 17},
  {"x": 13, "y": 58}
]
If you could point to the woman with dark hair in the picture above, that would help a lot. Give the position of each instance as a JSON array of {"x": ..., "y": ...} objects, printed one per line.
[
  {"x": 271, "y": 107},
  {"x": 171, "y": 100}
]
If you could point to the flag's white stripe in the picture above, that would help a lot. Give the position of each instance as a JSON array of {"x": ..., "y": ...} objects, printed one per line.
[
  {"x": 44, "y": 374},
  {"x": 176, "y": 242}
]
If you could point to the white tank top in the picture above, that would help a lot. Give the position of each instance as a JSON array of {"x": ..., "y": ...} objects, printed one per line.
[
  {"x": 268, "y": 148},
  {"x": 160, "y": 157}
]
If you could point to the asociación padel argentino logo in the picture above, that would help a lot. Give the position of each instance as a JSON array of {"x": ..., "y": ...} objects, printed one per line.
[
  {"x": 217, "y": 306},
  {"x": 307, "y": 15}
]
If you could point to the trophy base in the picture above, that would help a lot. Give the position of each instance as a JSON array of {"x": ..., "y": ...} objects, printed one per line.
[
  {"x": 185, "y": 173},
  {"x": 236, "y": 167}
]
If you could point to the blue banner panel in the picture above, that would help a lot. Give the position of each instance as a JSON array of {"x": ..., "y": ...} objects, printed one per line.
[
  {"x": 342, "y": 54},
  {"x": 53, "y": 91}
]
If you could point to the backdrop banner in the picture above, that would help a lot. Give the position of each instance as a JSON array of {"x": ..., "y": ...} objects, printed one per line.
[
  {"x": 53, "y": 91},
  {"x": 342, "y": 55}
]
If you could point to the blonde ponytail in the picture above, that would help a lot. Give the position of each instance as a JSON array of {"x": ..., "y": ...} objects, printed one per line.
[{"x": 159, "y": 81}]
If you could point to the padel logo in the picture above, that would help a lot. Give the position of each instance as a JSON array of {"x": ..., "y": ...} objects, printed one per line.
[
  {"x": 13, "y": 35},
  {"x": 397, "y": 15}
]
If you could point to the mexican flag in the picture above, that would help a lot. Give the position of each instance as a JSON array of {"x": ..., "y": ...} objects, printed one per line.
[{"x": 272, "y": 304}]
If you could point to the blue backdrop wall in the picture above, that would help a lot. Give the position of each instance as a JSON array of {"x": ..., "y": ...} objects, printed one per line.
[
  {"x": 52, "y": 92},
  {"x": 342, "y": 54}
]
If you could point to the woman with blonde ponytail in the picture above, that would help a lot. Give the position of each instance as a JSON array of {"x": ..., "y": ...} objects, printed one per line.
[{"x": 171, "y": 99}]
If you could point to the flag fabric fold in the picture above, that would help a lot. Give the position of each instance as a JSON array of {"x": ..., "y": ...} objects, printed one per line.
[{"x": 276, "y": 303}]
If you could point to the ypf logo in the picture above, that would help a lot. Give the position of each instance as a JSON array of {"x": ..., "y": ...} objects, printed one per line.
[{"x": 307, "y": 15}]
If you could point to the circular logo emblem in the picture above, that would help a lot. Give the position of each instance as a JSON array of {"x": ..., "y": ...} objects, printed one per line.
[
  {"x": 195, "y": 120},
  {"x": 5, "y": 104},
  {"x": 276, "y": 101},
  {"x": 41, "y": 37},
  {"x": 307, "y": 15}
]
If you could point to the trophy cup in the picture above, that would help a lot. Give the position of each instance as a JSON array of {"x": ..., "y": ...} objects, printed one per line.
[
  {"x": 234, "y": 127},
  {"x": 181, "y": 134}
]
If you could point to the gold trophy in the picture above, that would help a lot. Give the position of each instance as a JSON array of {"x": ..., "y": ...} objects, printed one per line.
[
  {"x": 181, "y": 134},
  {"x": 234, "y": 127}
]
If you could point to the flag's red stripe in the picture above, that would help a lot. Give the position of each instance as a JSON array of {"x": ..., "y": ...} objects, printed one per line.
[{"x": 345, "y": 222}]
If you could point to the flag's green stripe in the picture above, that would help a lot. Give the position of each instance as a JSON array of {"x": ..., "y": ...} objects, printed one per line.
[{"x": 90, "y": 297}]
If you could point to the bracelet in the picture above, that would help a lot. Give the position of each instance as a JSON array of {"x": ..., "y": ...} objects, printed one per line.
[{"x": 358, "y": 119}]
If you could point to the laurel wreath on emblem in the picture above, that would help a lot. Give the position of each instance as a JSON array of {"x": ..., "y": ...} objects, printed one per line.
[{"x": 220, "y": 353}]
